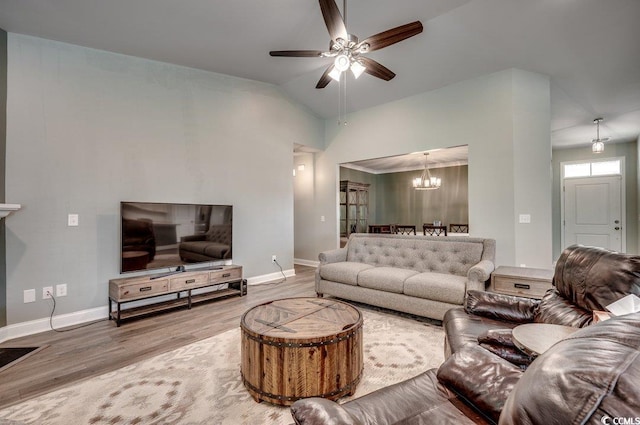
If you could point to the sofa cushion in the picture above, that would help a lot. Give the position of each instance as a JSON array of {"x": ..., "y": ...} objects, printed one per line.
[
  {"x": 343, "y": 272},
  {"x": 210, "y": 249},
  {"x": 558, "y": 311},
  {"x": 420, "y": 253},
  {"x": 446, "y": 288},
  {"x": 492, "y": 380},
  {"x": 387, "y": 279},
  {"x": 593, "y": 278}
]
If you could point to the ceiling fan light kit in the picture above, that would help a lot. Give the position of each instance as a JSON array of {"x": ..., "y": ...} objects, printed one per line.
[{"x": 348, "y": 51}]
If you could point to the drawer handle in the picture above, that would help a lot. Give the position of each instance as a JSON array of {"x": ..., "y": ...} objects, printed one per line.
[
  {"x": 145, "y": 289},
  {"x": 190, "y": 281},
  {"x": 521, "y": 286},
  {"x": 226, "y": 275}
]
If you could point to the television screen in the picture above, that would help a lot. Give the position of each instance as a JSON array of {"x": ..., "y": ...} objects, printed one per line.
[{"x": 166, "y": 235}]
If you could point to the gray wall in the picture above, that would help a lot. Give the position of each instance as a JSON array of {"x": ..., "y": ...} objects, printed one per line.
[
  {"x": 3, "y": 145},
  {"x": 630, "y": 153},
  {"x": 87, "y": 129},
  {"x": 504, "y": 118}
]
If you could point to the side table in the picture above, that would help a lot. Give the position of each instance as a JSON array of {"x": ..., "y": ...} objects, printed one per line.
[
  {"x": 521, "y": 281},
  {"x": 536, "y": 338}
]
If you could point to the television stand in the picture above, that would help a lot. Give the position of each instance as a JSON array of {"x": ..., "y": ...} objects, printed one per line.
[{"x": 129, "y": 289}]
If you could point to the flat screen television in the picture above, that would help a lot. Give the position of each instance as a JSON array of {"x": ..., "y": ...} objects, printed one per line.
[{"x": 171, "y": 236}]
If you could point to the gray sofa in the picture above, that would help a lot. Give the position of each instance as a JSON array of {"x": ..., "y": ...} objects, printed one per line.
[
  {"x": 211, "y": 246},
  {"x": 422, "y": 275}
]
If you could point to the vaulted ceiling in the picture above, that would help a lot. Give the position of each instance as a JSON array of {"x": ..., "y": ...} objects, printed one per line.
[{"x": 588, "y": 48}]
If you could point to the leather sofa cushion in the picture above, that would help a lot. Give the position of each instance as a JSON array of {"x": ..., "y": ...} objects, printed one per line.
[
  {"x": 593, "y": 373},
  {"x": 462, "y": 329},
  {"x": 343, "y": 272},
  {"x": 481, "y": 378},
  {"x": 387, "y": 279},
  {"x": 593, "y": 278},
  {"x": 446, "y": 288},
  {"x": 501, "y": 307},
  {"x": 558, "y": 311}
]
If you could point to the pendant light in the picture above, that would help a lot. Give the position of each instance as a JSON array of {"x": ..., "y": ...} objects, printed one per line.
[
  {"x": 425, "y": 181},
  {"x": 597, "y": 144}
]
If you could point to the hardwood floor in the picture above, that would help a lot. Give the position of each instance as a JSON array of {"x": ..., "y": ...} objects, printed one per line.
[{"x": 102, "y": 347}]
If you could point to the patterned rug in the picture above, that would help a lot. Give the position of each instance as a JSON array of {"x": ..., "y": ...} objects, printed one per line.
[{"x": 200, "y": 383}]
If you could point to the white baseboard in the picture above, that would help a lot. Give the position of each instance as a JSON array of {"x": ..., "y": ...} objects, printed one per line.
[
  {"x": 84, "y": 316},
  {"x": 303, "y": 262},
  {"x": 267, "y": 278},
  {"x": 60, "y": 321}
]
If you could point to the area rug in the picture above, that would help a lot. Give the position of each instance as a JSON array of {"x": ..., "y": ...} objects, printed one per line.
[{"x": 200, "y": 383}]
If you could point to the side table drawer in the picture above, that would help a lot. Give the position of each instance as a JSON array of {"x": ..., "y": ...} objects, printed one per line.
[
  {"x": 520, "y": 287},
  {"x": 142, "y": 289},
  {"x": 225, "y": 275},
  {"x": 182, "y": 283}
]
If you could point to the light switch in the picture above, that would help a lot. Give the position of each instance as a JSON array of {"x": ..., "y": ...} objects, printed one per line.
[
  {"x": 525, "y": 218},
  {"x": 72, "y": 220},
  {"x": 322, "y": 218}
]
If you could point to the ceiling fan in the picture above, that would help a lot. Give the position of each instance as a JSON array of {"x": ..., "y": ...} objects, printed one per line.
[{"x": 347, "y": 51}]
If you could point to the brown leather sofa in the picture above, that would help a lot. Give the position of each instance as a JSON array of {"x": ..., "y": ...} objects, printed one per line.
[
  {"x": 592, "y": 377},
  {"x": 594, "y": 372},
  {"x": 585, "y": 279}
]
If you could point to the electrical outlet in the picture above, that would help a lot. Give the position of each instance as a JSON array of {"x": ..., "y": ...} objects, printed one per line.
[
  {"x": 29, "y": 296},
  {"x": 273, "y": 259},
  {"x": 72, "y": 220},
  {"x": 47, "y": 291},
  {"x": 61, "y": 290}
]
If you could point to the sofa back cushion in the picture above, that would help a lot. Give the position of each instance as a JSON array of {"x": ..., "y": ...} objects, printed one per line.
[
  {"x": 592, "y": 278},
  {"x": 591, "y": 377},
  {"x": 419, "y": 253},
  {"x": 557, "y": 310},
  {"x": 220, "y": 233}
]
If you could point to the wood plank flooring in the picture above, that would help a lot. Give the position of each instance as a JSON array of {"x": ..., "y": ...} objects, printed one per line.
[{"x": 102, "y": 347}]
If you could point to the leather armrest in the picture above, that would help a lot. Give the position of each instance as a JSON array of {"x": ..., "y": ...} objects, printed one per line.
[
  {"x": 501, "y": 307},
  {"x": 318, "y": 411},
  {"x": 333, "y": 256},
  {"x": 480, "y": 378}
]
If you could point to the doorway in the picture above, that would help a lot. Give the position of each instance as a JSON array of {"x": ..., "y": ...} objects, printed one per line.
[{"x": 593, "y": 204}]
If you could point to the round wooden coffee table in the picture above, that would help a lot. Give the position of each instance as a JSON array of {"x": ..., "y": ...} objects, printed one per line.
[{"x": 301, "y": 347}]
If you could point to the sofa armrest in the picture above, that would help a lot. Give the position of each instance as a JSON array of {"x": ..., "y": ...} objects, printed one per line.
[
  {"x": 482, "y": 379},
  {"x": 318, "y": 411},
  {"x": 333, "y": 256},
  {"x": 479, "y": 274},
  {"x": 501, "y": 307},
  {"x": 191, "y": 238}
]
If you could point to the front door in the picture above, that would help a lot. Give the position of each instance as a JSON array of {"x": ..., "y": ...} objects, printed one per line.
[{"x": 593, "y": 212}]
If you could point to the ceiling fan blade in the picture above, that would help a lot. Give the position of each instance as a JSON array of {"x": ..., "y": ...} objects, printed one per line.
[
  {"x": 297, "y": 53},
  {"x": 325, "y": 79},
  {"x": 374, "y": 68},
  {"x": 333, "y": 19},
  {"x": 392, "y": 36}
]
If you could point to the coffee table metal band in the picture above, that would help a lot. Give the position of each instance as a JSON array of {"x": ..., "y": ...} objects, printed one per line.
[
  {"x": 347, "y": 388},
  {"x": 334, "y": 340}
]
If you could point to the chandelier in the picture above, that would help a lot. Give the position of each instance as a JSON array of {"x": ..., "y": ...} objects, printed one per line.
[
  {"x": 425, "y": 181},
  {"x": 597, "y": 144}
]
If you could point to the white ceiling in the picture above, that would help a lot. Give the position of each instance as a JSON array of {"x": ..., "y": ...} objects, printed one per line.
[{"x": 589, "y": 48}]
